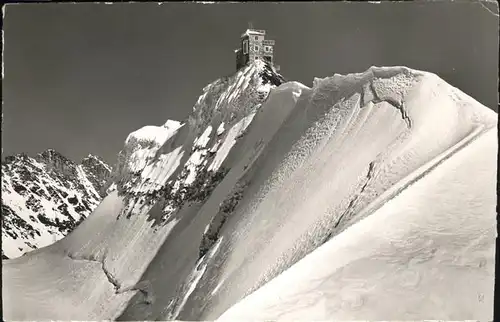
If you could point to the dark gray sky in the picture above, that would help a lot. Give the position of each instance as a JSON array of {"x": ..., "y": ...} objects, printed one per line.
[{"x": 80, "y": 77}]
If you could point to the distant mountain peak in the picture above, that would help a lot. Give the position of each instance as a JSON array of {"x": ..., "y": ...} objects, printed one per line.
[
  {"x": 51, "y": 154},
  {"x": 46, "y": 196},
  {"x": 93, "y": 156},
  {"x": 95, "y": 159},
  {"x": 15, "y": 157}
]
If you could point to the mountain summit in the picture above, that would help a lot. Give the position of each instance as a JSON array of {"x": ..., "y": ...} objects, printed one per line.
[
  {"x": 46, "y": 197},
  {"x": 366, "y": 197}
]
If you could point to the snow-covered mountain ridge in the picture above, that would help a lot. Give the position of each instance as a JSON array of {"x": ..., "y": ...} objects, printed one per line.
[
  {"x": 202, "y": 213},
  {"x": 46, "y": 197},
  {"x": 144, "y": 169}
]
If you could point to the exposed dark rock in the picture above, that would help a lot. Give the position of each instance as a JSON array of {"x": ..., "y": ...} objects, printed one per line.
[
  {"x": 97, "y": 172},
  {"x": 9, "y": 159},
  {"x": 19, "y": 188},
  {"x": 269, "y": 75},
  {"x": 48, "y": 176},
  {"x": 14, "y": 225},
  {"x": 226, "y": 208},
  {"x": 73, "y": 200},
  {"x": 36, "y": 190},
  {"x": 33, "y": 204}
]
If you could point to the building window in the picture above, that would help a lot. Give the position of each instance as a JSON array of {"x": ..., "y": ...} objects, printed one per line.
[
  {"x": 267, "y": 49},
  {"x": 256, "y": 48},
  {"x": 256, "y": 58},
  {"x": 256, "y": 38},
  {"x": 245, "y": 47}
]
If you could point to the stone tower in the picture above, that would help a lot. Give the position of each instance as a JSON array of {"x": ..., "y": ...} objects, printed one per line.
[{"x": 254, "y": 46}]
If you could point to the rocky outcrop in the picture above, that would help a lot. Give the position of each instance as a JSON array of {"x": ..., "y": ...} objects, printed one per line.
[{"x": 46, "y": 197}]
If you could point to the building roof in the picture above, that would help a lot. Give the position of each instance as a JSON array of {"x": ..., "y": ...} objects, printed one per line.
[{"x": 253, "y": 32}]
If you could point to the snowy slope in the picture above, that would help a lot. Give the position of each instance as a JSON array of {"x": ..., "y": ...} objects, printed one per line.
[
  {"x": 204, "y": 212},
  {"x": 350, "y": 144},
  {"x": 140, "y": 211},
  {"x": 426, "y": 254},
  {"x": 45, "y": 197}
]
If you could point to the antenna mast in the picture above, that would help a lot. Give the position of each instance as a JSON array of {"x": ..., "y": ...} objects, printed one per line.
[{"x": 250, "y": 25}]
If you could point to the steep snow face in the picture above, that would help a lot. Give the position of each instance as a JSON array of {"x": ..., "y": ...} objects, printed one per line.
[
  {"x": 161, "y": 171},
  {"x": 145, "y": 142},
  {"x": 156, "y": 135},
  {"x": 433, "y": 241},
  {"x": 348, "y": 146},
  {"x": 223, "y": 102},
  {"x": 45, "y": 197},
  {"x": 251, "y": 183},
  {"x": 233, "y": 97},
  {"x": 231, "y": 137}
]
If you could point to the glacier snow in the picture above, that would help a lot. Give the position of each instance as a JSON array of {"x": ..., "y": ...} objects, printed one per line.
[{"x": 368, "y": 196}]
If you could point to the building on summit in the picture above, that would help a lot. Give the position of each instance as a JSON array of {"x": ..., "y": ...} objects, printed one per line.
[{"x": 254, "y": 46}]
